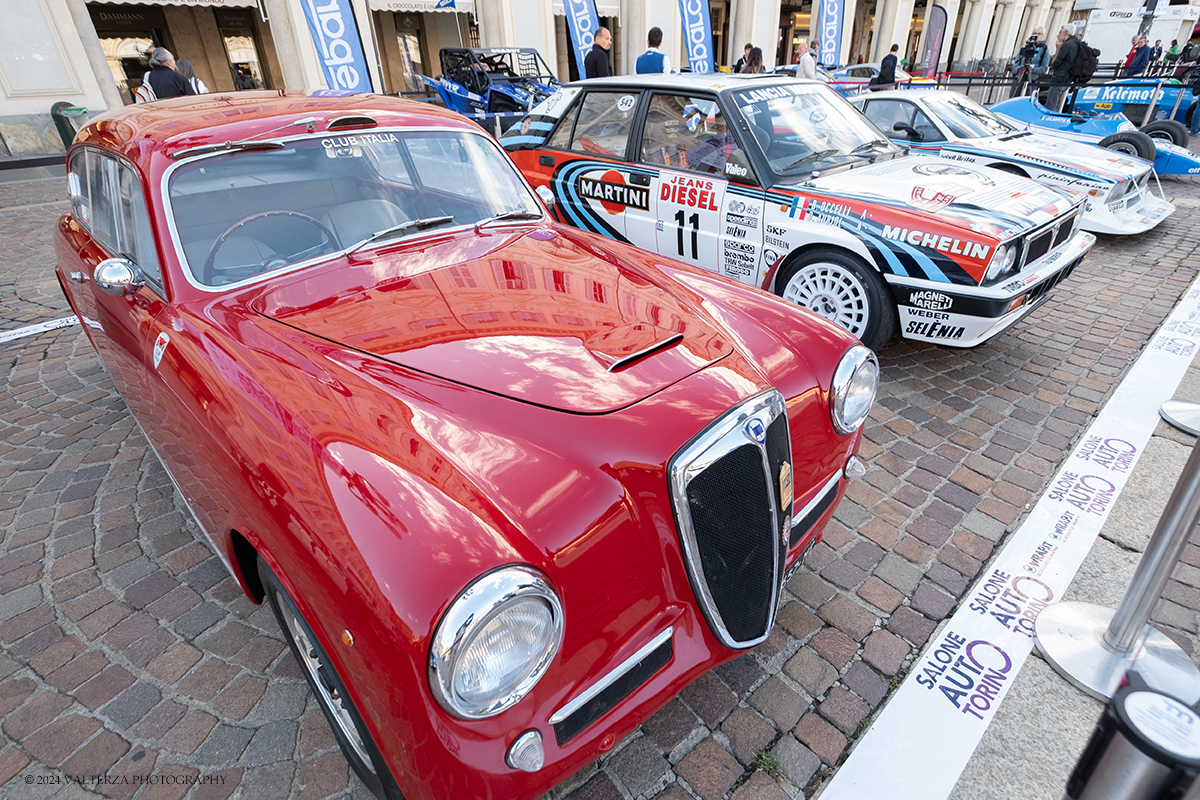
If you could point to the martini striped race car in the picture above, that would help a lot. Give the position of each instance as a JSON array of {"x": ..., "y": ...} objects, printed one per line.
[{"x": 780, "y": 184}]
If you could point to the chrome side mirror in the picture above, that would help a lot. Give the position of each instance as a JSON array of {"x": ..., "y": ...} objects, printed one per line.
[
  {"x": 546, "y": 195},
  {"x": 118, "y": 277}
]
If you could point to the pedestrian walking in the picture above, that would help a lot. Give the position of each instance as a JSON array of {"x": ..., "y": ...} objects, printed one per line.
[
  {"x": 886, "y": 78},
  {"x": 184, "y": 68},
  {"x": 596, "y": 64},
  {"x": 741, "y": 62},
  {"x": 1060, "y": 69},
  {"x": 806, "y": 66},
  {"x": 653, "y": 60},
  {"x": 162, "y": 77}
]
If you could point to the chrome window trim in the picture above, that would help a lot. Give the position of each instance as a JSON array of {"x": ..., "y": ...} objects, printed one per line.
[
  {"x": 177, "y": 245},
  {"x": 716, "y": 441},
  {"x": 798, "y": 517},
  {"x": 611, "y": 677}
]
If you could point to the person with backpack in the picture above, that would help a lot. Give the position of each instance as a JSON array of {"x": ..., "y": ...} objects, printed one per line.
[
  {"x": 1062, "y": 69},
  {"x": 162, "y": 79}
]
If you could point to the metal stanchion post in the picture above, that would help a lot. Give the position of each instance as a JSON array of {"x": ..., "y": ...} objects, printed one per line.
[{"x": 1093, "y": 646}]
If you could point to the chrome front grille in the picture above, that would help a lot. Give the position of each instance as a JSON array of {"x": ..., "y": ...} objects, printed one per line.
[{"x": 732, "y": 492}]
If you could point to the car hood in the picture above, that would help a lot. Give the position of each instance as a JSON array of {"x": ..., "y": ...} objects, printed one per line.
[
  {"x": 977, "y": 198},
  {"x": 539, "y": 316},
  {"x": 1056, "y": 153}
]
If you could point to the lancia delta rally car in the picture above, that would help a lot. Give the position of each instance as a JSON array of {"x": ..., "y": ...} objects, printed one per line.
[
  {"x": 781, "y": 184},
  {"x": 1117, "y": 186}
]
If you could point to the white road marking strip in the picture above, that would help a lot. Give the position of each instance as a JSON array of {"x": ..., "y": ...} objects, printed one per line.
[
  {"x": 922, "y": 741},
  {"x": 34, "y": 330}
]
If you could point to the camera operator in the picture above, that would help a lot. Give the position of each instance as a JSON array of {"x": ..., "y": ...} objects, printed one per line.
[{"x": 1031, "y": 62}]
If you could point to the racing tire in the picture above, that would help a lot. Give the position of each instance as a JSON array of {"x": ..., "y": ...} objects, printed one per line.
[
  {"x": 843, "y": 289},
  {"x": 340, "y": 711},
  {"x": 1133, "y": 143},
  {"x": 1170, "y": 130}
]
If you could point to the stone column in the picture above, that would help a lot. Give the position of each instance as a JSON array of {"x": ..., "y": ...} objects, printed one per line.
[
  {"x": 975, "y": 29},
  {"x": 1006, "y": 32},
  {"x": 885, "y": 22},
  {"x": 952, "y": 8},
  {"x": 849, "y": 12},
  {"x": 286, "y": 48},
  {"x": 95, "y": 54},
  {"x": 563, "y": 62}
]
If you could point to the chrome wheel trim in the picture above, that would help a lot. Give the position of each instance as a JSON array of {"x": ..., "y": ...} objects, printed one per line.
[
  {"x": 1123, "y": 147},
  {"x": 1161, "y": 136},
  {"x": 832, "y": 291},
  {"x": 327, "y": 694}
]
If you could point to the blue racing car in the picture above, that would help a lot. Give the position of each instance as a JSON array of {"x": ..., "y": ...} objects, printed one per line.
[
  {"x": 1133, "y": 96},
  {"x": 483, "y": 83}
]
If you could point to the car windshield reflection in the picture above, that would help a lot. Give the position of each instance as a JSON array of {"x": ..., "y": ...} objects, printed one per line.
[
  {"x": 965, "y": 118},
  {"x": 246, "y": 214},
  {"x": 804, "y": 127}
]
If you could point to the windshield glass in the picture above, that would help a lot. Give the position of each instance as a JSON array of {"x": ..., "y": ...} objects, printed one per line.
[
  {"x": 965, "y": 118},
  {"x": 801, "y": 127},
  {"x": 240, "y": 215}
]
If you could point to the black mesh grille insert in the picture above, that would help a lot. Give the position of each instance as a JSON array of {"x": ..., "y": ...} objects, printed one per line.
[
  {"x": 805, "y": 525},
  {"x": 730, "y": 505},
  {"x": 1039, "y": 245},
  {"x": 621, "y": 688},
  {"x": 1064, "y": 231}
]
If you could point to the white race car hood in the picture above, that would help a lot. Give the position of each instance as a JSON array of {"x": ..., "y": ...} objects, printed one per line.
[
  {"x": 1085, "y": 160},
  {"x": 980, "y": 199}
]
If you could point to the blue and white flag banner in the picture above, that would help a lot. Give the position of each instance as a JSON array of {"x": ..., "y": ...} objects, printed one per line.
[
  {"x": 830, "y": 34},
  {"x": 339, "y": 49},
  {"x": 697, "y": 32},
  {"x": 582, "y": 24}
]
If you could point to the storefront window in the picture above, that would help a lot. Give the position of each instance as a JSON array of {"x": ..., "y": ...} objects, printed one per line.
[
  {"x": 128, "y": 34},
  {"x": 409, "y": 38},
  {"x": 241, "y": 48}
]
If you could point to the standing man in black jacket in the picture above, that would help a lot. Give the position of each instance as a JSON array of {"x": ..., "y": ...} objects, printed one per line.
[
  {"x": 1060, "y": 69},
  {"x": 595, "y": 64}
]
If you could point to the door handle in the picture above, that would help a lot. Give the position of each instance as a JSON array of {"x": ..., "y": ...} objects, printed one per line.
[
  {"x": 639, "y": 179},
  {"x": 78, "y": 277},
  {"x": 546, "y": 161}
]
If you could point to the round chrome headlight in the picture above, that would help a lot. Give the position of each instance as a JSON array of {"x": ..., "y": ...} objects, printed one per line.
[
  {"x": 854, "y": 383},
  {"x": 1010, "y": 259},
  {"x": 1005, "y": 254},
  {"x": 495, "y": 642}
]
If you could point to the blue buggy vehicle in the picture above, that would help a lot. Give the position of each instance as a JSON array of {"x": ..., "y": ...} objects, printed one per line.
[
  {"x": 1133, "y": 98},
  {"x": 486, "y": 83}
]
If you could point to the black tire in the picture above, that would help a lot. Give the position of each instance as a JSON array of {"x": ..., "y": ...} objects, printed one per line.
[
  {"x": 844, "y": 290},
  {"x": 1134, "y": 143},
  {"x": 340, "y": 711},
  {"x": 1170, "y": 130}
]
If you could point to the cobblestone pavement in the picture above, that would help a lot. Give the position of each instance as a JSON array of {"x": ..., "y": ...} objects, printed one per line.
[{"x": 127, "y": 650}]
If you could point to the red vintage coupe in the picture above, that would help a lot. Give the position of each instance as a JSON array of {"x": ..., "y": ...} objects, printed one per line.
[{"x": 508, "y": 485}]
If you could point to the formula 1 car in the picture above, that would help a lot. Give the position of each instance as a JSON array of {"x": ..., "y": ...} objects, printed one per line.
[
  {"x": 952, "y": 125},
  {"x": 1133, "y": 96},
  {"x": 482, "y": 82},
  {"x": 1114, "y": 131}
]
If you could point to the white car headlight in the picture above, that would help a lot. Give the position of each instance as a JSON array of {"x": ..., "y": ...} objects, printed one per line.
[
  {"x": 1002, "y": 259},
  {"x": 854, "y": 383},
  {"x": 495, "y": 642}
]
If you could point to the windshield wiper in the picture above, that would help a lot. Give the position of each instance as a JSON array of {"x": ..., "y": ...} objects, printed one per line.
[
  {"x": 216, "y": 148},
  {"x": 412, "y": 224},
  {"x": 817, "y": 156},
  {"x": 508, "y": 215},
  {"x": 871, "y": 145}
]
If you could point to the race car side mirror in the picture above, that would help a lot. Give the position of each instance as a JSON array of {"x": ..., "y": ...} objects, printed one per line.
[{"x": 912, "y": 132}]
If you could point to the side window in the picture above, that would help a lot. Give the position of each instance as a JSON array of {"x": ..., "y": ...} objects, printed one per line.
[
  {"x": 561, "y": 138},
  {"x": 886, "y": 114},
  {"x": 102, "y": 189},
  {"x": 77, "y": 189},
  {"x": 135, "y": 234},
  {"x": 690, "y": 133},
  {"x": 603, "y": 124},
  {"x": 926, "y": 127}
]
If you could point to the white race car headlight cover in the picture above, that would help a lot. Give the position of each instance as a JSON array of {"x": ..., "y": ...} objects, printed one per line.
[
  {"x": 1002, "y": 261},
  {"x": 495, "y": 642},
  {"x": 853, "y": 390}
]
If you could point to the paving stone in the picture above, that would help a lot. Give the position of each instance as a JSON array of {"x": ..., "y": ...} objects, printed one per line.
[
  {"x": 848, "y": 617},
  {"x": 711, "y": 699},
  {"x": 174, "y": 662},
  {"x": 864, "y": 682},
  {"x": 741, "y": 674},
  {"x": 748, "y": 733},
  {"x": 880, "y": 595},
  {"x": 108, "y": 684},
  {"x": 932, "y": 602},
  {"x": 39, "y": 710},
  {"x": 834, "y": 646},
  {"x": 821, "y": 737},
  {"x": 52, "y": 744},
  {"x": 759, "y": 787},
  {"x": 811, "y": 671},
  {"x": 885, "y": 651},
  {"x": 798, "y": 620},
  {"x": 188, "y": 733},
  {"x": 947, "y": 578},
  {"x": 97, "y": 756},
  {"x": 275, "y": 741},
  {"x": 844, "y": 710},
  {"x": 798, "y": 762},
  {"x": 639, "y": 766},
  {"x": 324, "y": 776},
  {"x": 709, "y": 770},
  {"x": 779, "y": 703},
  {"x": 899, "y": 573},
  {"x": 598, "y": 787},
  {"x": 912, "y": 626},
  {"x": 843, "y": 574},
  {"x": 812, "y": 590},
  {"x": 669, "y": 726},
  {"x": 132, "y": 704},
  {"x": 224, "y": 744}
]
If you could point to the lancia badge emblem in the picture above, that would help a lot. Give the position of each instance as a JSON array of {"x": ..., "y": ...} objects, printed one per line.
[
  {"x": 756, "y": 430},
  {"x": 785, "y": 486}
]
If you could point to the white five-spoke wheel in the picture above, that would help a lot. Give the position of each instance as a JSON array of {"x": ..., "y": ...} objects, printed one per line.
[{"x": 843, "y": 290}]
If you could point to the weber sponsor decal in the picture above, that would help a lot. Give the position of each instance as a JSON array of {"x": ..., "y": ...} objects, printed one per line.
[
  {"x": 933, "y": 301},
  {"x": 934, "y": 241},
  {"x": 616, "y": 193}
]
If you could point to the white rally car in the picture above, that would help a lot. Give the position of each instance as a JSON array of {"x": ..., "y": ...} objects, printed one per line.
[
  {"x": 1117, "y": 185},
  {"x": 779, "y": 183}
]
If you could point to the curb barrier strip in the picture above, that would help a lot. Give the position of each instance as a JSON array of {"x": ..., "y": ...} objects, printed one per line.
[
  {"x": 41, "y": 327},
  {"x": 920, "y": 743}
]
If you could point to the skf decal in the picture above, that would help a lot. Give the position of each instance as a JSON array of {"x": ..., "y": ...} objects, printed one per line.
[
  {"x": 933, "y": 301},
  {"x": 945, "y": 244},
  {"x": 613, "y": 194},
  {"x": 160, "y": 347},
  {"x": 691, "y": 192}
]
